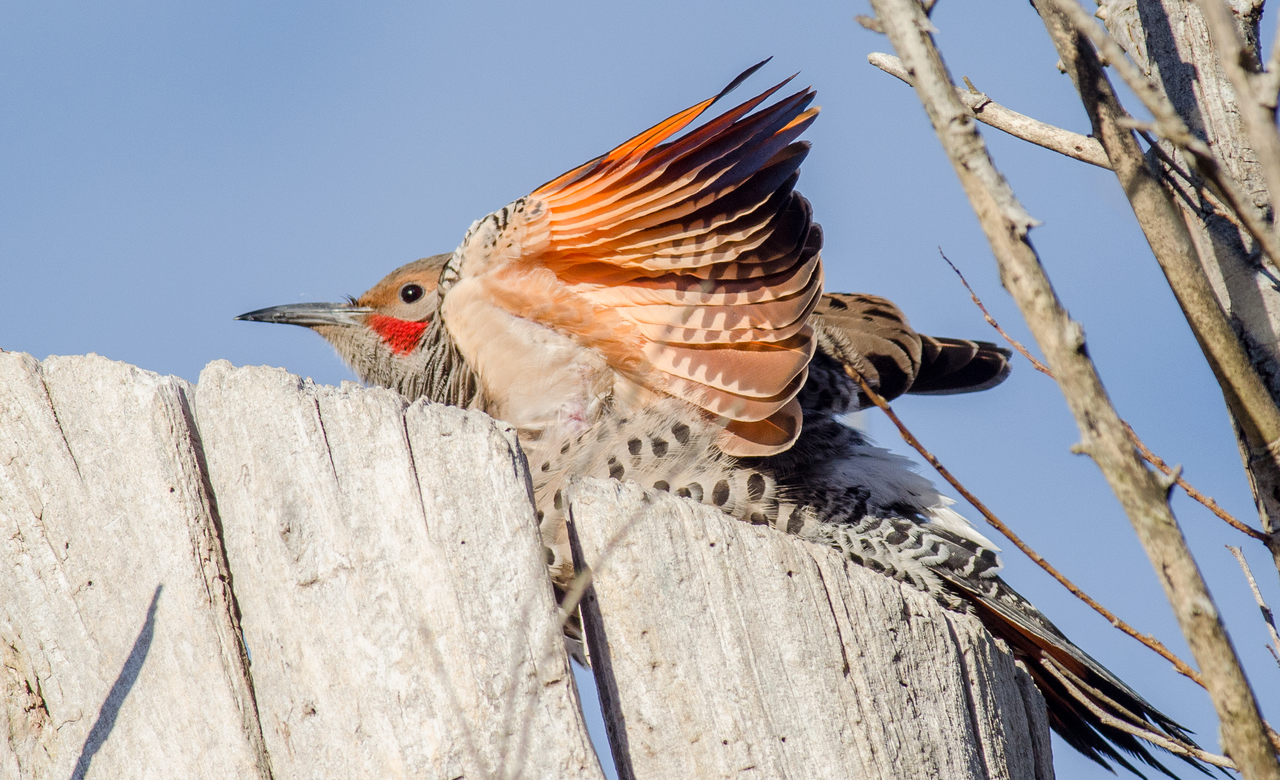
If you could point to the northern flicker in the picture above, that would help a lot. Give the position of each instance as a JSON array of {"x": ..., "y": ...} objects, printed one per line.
[{"x": 657, "y": 314}]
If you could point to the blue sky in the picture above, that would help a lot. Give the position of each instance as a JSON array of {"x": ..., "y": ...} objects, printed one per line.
[{"x": 168, "y": 166}]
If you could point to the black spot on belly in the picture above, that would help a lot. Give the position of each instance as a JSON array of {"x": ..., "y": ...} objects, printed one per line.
[
  {"x": 546, "y": 466},
  {"x": 720, "y": 493},
  {"x": 681, "y": 432},
  {"x": 661, "y": 485},
  {"x": 558, "y": 500},
  {"x": 615, "y": 469},
  {"x": 633, "y": 446},
  {"x": 692, "y": 490},
  {"x": 659, "y": 447},
  {"x": 755, "y": 487},
  {"x": 758, "y": 518}
]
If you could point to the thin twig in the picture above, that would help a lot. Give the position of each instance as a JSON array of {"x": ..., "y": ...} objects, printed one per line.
[
  {"x": 1267, "y": 617},
  {"x": 1207, "y": 501},
  {"x": 582, "y": 580},
  {"x": 1147, "y": 454},
  {"x": 986, "y": 110},
  {"x": 1026, "y": 353},
  {"x": 1071, "y": 683},
  {"x": 1155, "y": 644},
  {"x": 1224, "y": 194},
  {"x": 1249, "y": 216}
]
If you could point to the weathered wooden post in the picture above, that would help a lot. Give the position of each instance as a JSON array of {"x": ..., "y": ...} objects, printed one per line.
[
  {"x": 725, "y": 646},
  {"x": 260, "y": 577}
]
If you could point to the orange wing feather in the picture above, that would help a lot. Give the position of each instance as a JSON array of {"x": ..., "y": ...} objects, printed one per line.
[{"x": 699, "y": 244}]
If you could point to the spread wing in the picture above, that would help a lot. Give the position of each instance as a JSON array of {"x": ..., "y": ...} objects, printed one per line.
[{"x": 687, "y": 261}]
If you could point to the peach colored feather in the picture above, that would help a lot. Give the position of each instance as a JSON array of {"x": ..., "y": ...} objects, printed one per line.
[{"x": 686, "y": 262}]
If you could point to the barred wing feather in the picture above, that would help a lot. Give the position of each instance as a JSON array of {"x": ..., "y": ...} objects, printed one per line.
[{"x": 700, "y": 254}]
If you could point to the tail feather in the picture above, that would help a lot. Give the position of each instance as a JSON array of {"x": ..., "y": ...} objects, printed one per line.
[{"x": 1078, "y": 690}]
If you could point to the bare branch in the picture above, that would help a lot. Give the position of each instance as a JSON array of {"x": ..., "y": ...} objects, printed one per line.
[
  {"x": 1007, "y": 224},
  {"x": 1247, "y": 397},
  {"x": 869, "y": 23},
  {"x": 1147, "y": 454},
  {"x": 1269, "y": 82},
  {"x": 986, "y": 110},
  {"x": 1169, "y": 125},
  {"x": 1163, "y": 226},
  {"x": 1267, "y": 617}
]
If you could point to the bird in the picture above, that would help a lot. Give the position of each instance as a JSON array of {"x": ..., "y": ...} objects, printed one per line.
[{"x": 657, "y": 314}]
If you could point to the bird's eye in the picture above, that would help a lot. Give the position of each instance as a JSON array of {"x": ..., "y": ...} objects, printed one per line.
[{"x": 411, "y": 292}]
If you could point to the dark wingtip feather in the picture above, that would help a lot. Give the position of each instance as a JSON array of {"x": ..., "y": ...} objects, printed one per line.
[
  {"x": 950, "y": 366},
  {"x": 744, "y": 75}
]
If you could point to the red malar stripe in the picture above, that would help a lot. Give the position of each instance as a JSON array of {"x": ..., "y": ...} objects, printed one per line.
[{"x": 401, "y": 336}]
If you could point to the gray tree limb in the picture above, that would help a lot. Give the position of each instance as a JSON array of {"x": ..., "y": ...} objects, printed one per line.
[
  {"x": 1167, "y": 234},
  {"x": 989, "y": 112},
  {"x": 1170, "y": 41},
  {"x": 1140, "y": 492},
  {"x": 1259, "y": 119}
]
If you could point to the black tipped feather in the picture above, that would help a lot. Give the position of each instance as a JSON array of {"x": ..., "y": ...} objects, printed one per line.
[
  {"x": 958, "y": 366},
  {"x": 872, "y": 335}
]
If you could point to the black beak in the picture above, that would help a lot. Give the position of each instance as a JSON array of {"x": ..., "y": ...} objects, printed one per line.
[{"x": 309, "y": 315}]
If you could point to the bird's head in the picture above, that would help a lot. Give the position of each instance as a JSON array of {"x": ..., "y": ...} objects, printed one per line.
[{"x": 381, "y": 334}]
